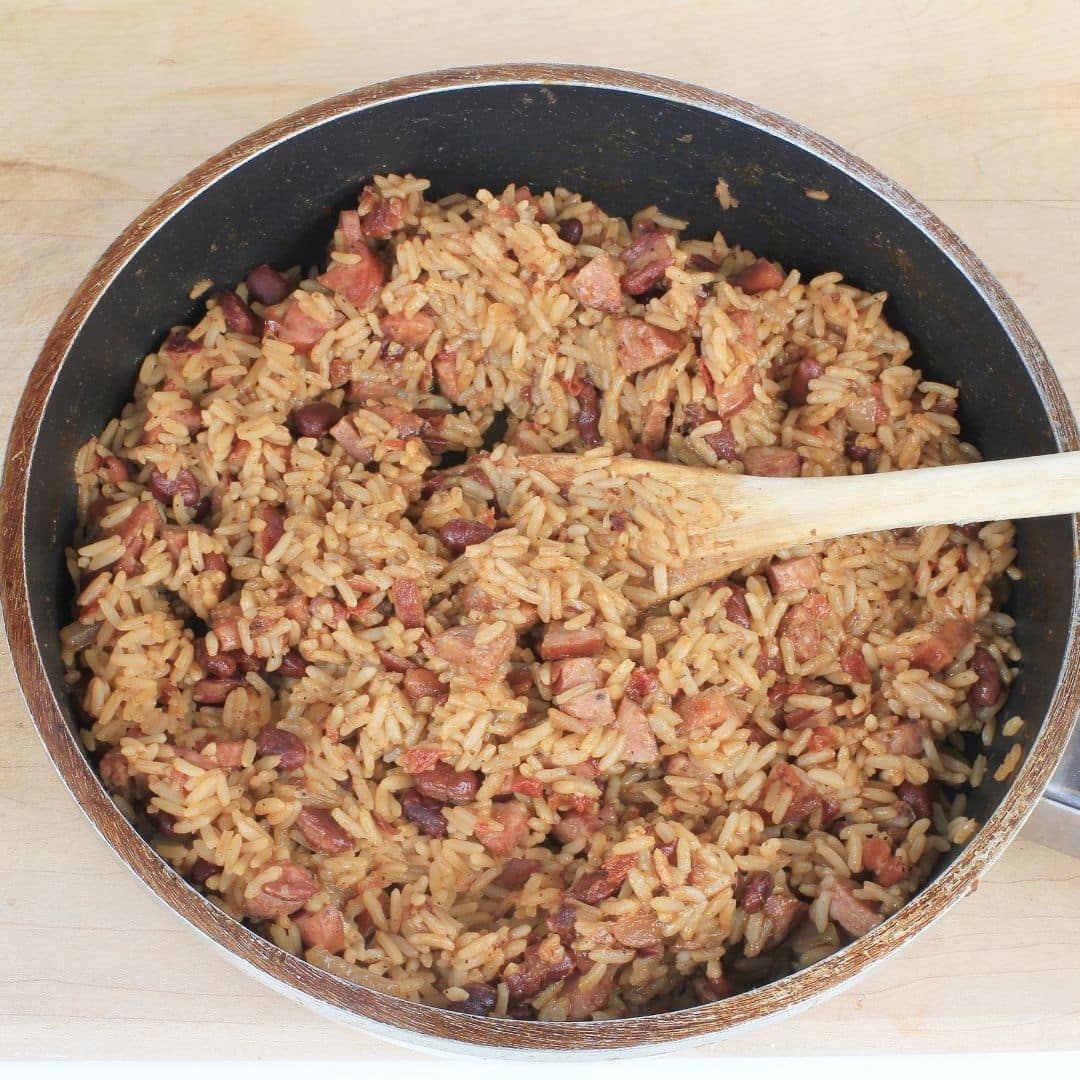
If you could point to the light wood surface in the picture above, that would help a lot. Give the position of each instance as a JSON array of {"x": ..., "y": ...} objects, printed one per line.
[{"x": 975, "y": 107}]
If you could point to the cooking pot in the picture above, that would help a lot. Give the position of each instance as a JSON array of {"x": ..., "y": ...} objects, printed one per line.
[{"x": 626, "y": 141}]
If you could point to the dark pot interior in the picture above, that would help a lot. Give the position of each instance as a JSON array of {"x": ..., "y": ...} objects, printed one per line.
[{"x": 626, "y": 150}]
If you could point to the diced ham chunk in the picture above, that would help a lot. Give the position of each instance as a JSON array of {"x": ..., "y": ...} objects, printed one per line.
[
  {"x": 854, "y": 663},
  {"x": 561, "y": 644},
  {"x": 733, "y": 398},
  {"x": 575, "y": 826},
  {"x": 787, "y": 575},
  {"x": 359, "y": 282},
  {"x": 584, "y": 998},
  {"x": 506, "y": 829},
  {"x": 352, "y": 442},
  {"x": 947, "y": 637},
  {"x": 654, "y": 423},
  {"x": 384, "y": 216},
  {"x": 878, "y": 858},
  {"x": 856, "y": 916},
  {"x": 708, "y": 709},
  {"x": 292, "y": 889},
  {"x": 760, "y": 276},
  {"x": 906, "y": 738},
  {"x": 642, "y": 682},
  {"x": 746, "y": 322},
  {"x": 352, "y": 231},
  {"x": 783, "y": 913},
  {"x": 408, "y": 330},
  {"x": 324, "y": 929},
  {"x": 445, "y": 366},
  {"x": 115, "y": 775},
  {"x": 597, "y": 284},
  {"x": 141, "y": 524},
  {"x": 639, "y": 742},
  {"x": 641, "y": 345},
  {"x": 637, "y": 930},
  {"x": 566, "y": 674},
  {"x": 801, "y": 624},
  {"x": 458, "y": 646},
  {"x": 593, "y": 708},
  {"x": 771, "y": 461},
  {"x": 289, "y": 323}
]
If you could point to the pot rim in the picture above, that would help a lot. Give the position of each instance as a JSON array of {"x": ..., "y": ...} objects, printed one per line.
[{"x": 392, "y": 1018}]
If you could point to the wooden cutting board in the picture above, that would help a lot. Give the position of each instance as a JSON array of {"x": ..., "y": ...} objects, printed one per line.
[{"x": 973, "y": 107}]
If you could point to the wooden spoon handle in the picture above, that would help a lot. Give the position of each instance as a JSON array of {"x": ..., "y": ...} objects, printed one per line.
[{"x": 985, "y": 491}]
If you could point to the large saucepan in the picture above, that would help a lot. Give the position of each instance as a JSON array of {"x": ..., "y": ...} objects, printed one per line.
[{"x": 627, "y": 141}]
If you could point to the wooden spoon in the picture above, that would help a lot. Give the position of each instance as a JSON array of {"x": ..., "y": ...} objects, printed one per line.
[{"x": 731, "y": 520}]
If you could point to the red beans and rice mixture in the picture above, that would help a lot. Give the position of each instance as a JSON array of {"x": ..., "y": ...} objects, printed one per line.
[{"x": 415, "y": 713}]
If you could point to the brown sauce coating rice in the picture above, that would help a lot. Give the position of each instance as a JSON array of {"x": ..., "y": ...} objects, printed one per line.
[{"x": 405, "y": 707}]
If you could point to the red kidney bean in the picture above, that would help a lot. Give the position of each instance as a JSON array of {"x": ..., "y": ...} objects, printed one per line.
[
  {"x": 293, "y": 665},
  {"x": 445, "y": 785},
  {"x": 421, "y": 683},
  {"x": 221, "y": 666},
  {"x": 239, "y": 318},
  {"x": 571, "y": 230},
  {"x": 164, "y": 823},
  {"x": 163, "y": 489},
  {"x": 201, "y": 872},
  {"x": 759, "y": 887},
  {"x": 918, "y": 796},
  {"x": 426, "y": 814},
  {"x": 737, "y": 610},
  {"x": 290, "y": 892},
  {"x": 806, "y": 369},
  {"x": 245, "y": 661},
  {"x": 274, "y": 522},
  {"x": 852, "y": 450},
  {"x": 266, "y": 285},
  {"x": 988, "y": 688},
  {"x": 179, "y": 344},
  {"x": 322, "y": 833},
  {"x": 588, "y": 417},
  {"x": 215, "y": 691},
  {"x": 700, "y": 263},
  {"x": 393, "y": 662},
  {"x": 480, "y": 1002},
  {"x": 460, "y": 533},
  {"x": 316, "y": 419},
  {"x": 275, "y": 741}
]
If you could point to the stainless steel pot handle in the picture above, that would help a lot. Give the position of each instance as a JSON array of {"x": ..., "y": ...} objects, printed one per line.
[{"x": 1055, "y": 821}]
